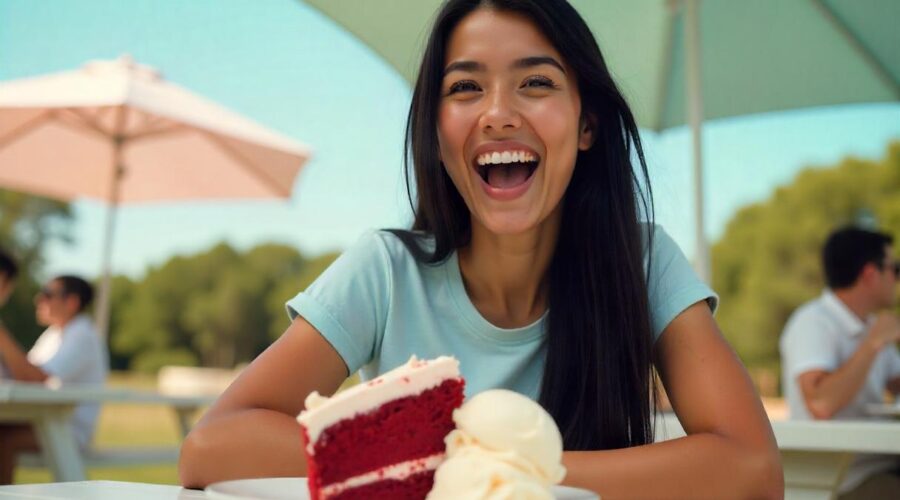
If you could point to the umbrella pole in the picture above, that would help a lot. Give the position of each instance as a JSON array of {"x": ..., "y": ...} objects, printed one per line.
[
  {"x": 695, "y": 118},
  {"x": 101, "y": 314}
]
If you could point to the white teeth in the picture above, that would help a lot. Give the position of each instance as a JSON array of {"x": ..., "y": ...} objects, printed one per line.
[{"x": 496, "y": 157}]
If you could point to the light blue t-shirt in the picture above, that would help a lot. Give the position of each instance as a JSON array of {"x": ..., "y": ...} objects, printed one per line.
[{"x": 377, "y": 305}]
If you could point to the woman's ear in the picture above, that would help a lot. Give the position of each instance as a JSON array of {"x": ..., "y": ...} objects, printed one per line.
[{"x": 587, "y": 131}]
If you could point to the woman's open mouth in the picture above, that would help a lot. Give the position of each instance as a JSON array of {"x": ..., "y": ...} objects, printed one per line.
[{"x": 506, "y": 174}]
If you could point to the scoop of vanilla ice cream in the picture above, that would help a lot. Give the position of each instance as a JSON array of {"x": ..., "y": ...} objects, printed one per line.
[
  {"x": 508, "y": 422},
  {"x": 504, "y": 446},
  {"x": 474, "y": 475}
]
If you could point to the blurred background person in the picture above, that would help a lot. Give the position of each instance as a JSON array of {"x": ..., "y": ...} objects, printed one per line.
[
  {"x": 839, "y": 351},
  {"x": 68, "y": 352},
  {"x": 9, "y": 270}
]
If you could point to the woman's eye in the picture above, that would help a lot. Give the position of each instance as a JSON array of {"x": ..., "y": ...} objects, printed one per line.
[
  {"x": 538, "y": 82},
  {"x": 463, "y": 86}
]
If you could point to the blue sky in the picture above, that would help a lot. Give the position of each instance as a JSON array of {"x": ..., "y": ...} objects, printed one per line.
[{"x": 285, "y": 65}]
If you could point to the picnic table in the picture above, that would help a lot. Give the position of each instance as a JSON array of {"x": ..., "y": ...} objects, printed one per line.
[
  {"x": 49, "y": 410},
  {"x": 816, "y": 454}
]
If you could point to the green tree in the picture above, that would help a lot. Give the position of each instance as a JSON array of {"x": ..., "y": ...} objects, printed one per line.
[
  {"x": 768, "y": 262},
  {"x": 154, "y": 322},
  {"x": 216, "y": 308}
]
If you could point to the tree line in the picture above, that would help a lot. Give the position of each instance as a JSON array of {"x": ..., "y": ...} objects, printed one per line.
[{"x": 217, "y": 308}]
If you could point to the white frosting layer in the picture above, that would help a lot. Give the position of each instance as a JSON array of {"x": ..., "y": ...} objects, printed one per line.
[
  {"x": 397, "y": 472},
  {"x": 411, "y": 379}
]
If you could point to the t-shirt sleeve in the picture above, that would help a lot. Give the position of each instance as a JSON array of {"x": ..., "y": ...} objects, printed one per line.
[
  {"x": 808, "y": 344},
  {"x": 74, "y": 357},
  {"x": 348, "y": 303},
  {"x": 672, "y": 284}
]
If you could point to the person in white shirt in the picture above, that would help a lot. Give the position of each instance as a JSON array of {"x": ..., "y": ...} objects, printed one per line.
[
  {"x": 68, "y": 352},
  {"x": 839, "y": 351}
]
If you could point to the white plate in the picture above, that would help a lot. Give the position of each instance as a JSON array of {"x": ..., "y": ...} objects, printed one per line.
[{"x": 294, "y": 488}]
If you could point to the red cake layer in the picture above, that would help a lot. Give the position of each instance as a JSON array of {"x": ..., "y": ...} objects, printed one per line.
[
  {"x": 398, "y": 431},
  {"x": 415, "y": 487}
]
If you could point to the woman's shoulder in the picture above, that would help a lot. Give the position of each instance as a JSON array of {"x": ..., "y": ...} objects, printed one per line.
[
  {"x": 406, "y": 245},
  {"x": 388, "y": 249},
  {"x": 655, "y": 236}
]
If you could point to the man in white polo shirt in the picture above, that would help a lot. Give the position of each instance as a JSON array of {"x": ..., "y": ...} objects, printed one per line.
[
  {"x": 68, "y": 352},
  {"x": 839, "y": 351}
]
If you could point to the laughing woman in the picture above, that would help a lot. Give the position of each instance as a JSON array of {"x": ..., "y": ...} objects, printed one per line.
[{"x": 533, "y": 259}]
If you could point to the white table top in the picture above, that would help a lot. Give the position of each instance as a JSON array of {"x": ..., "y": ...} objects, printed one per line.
[
  {"x": 858, "y": 436},
  {"x": 885, "y": 410},
  {"x": 98, "y": 490},
  {"x": 286, "y": 488}
]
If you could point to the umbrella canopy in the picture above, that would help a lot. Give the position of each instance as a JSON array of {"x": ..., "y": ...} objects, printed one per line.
[
  {"x": 58, "y": 138},
  {"x": 117, "y": 132},
  {"x": 759, "y": 56}
]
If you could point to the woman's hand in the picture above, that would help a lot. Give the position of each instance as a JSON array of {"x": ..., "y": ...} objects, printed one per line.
[{"x": 251, "y": 430}]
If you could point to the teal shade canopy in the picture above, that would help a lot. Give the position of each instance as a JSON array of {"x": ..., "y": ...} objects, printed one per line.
[{"x": 757, "y": 56}]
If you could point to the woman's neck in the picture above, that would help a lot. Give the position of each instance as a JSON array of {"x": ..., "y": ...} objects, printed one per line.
[{"x": 504, "y": 275}]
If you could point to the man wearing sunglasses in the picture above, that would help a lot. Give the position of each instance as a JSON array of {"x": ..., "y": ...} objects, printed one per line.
[
  {"x": 839, "y": 351},
  {"x": 68, "y": 352}
]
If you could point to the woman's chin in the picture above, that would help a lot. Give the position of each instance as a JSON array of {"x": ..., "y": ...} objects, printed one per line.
[{"x": 507, "y": 224}]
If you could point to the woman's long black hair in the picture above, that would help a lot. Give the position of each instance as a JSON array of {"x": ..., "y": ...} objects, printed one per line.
[{"x": 598, "y": 379}]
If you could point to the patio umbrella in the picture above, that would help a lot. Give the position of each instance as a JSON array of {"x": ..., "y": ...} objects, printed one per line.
[
  {"x": 116, "y": 131},
  {"x": 759, "y": 56}
]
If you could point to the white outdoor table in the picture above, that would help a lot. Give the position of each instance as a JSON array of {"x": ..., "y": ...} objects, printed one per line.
[
  {"x": 49, "y": 409},
  {"x": 816, "y": 454},
  {"x": 98, "y": 490},
  {"x": 884, "y": 410}
]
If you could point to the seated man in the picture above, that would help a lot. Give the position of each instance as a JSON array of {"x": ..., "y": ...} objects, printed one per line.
[
  {"x": 68, "y": 352},
  {"x": 839, "y": 351}
]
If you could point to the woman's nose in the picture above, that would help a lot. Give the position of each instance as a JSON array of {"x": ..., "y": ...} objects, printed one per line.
[{"x": 500, "y": 112}]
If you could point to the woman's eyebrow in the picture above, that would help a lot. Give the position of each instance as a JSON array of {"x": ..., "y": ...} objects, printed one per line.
[
  {"x": 528, "y": 62},
  {"x": 470, "y": 66},
  {"x": 525, "y": 62}
]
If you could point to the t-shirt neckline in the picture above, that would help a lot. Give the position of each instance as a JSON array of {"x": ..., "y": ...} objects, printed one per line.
[{"x": 478, "y": 325}]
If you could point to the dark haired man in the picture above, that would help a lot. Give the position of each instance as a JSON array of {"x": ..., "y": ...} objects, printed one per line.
[
  {"x": 68, "y": 352},
  {"x": 839, "y": 351}
]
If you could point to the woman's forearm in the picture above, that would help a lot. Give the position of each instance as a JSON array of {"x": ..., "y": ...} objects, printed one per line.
[
  {"x": 244, "y": 444},
  {"x": 696, "y": 466}
]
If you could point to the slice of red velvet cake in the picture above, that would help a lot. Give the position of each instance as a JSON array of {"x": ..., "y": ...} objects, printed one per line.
[{"x": 384, "y": 438}]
